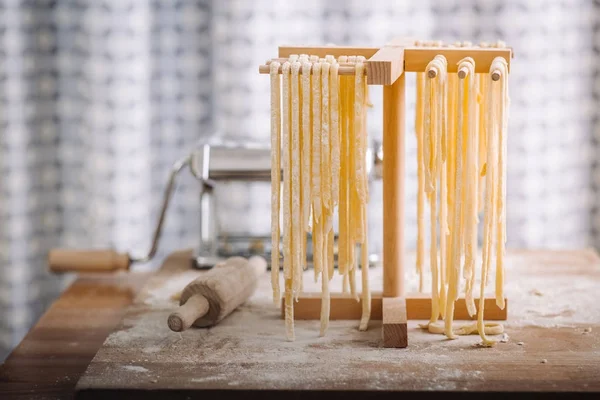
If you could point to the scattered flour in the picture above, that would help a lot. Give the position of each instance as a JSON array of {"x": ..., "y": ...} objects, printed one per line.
[
  {"x": 135, "y": 368},
  {"x": 252, "y": 339},
  {"x": 164, "y": 294}
]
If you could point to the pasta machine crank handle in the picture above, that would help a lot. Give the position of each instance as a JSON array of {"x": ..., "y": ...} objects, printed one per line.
[{"x": 109, "y": 260}]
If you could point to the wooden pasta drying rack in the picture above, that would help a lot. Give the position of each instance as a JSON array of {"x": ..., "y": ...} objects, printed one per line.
[{"x": 386, "y": 66}]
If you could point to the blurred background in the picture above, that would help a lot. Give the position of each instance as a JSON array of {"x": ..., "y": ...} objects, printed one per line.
[{"x": 99, "y": 98}]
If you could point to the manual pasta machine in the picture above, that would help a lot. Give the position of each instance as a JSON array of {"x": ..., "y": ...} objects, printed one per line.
[{"x": 210, "y": 165}]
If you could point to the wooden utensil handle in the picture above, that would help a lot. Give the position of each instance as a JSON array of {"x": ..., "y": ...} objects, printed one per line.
[
  {"x": 196, "y": 307},
  {"x": 62, "y": 260}
]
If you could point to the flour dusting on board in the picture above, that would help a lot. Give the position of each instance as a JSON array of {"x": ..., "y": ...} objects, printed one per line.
[
  {"x": 163, "y": 294},
  {"x": 248, "y": 348},
  {"x": 135, "y": 368}
]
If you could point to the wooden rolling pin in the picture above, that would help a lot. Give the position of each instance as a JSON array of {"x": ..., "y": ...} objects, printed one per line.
[
  {"x": 214, "y": 295},
  {"x": 62, "y": 260}
]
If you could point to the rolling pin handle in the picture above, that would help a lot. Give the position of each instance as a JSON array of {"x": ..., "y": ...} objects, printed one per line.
[
  {"x": 196, "y": 307},
  {"x": 62, "y": 260}
]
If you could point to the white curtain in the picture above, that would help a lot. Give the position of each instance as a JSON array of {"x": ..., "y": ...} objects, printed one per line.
[{"x": 98, "y": 98}]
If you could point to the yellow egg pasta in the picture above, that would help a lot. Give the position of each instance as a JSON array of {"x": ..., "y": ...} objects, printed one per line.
[
  {"x": 461, "y": 125},
  {"x": 275, "y": 177},
  {"x": 320, "y": 127},
  {"x": 319, "y": 175}
]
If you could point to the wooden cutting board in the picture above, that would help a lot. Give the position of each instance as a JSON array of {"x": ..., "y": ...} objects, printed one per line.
[{"x": 552, "y": 342}]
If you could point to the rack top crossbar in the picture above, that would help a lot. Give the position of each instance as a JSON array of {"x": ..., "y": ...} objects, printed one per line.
[{"x": 385, "y": 64}]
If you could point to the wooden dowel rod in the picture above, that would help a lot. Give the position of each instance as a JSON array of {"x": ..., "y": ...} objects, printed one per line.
[
  {"x": 343, "y": 70},
  {"x": 393, "y": 188},
  {"x": 347, "y": 69},
  {"x": 417, "y": 58},
  {"x": 282, "y": 60}
]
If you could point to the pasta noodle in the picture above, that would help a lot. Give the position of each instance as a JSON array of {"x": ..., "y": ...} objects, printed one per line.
[
  {"x": 287, "y": 242},
  {"x": 306, "y": 143},
  {"x": 326, "y": 219},
  {"x": 419, "y": 122},
  {"x": 295, "y": 180},
  {"x": 344, "y": 178},
  {"x": 461, "y": 124},
  {"x": 335, "y": 133},
  {"x": 319, "y": 141},
  {"x": 321, "y": 128},
  {"x": 501, "y": 65},
  {"x": 325, "y": 145},
  {"x": 471, "y": 173},
  {"x": 275, "y": 178},
  {"x": 316, "y": 168},
  {"x": 366, "y": 294}
]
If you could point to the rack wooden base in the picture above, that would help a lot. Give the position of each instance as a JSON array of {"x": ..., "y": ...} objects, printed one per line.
[
  {"x": 418, "y": 306},
  {"x": 394, "y": 311}
]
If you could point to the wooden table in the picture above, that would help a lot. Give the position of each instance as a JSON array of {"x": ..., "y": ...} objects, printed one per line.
[
  {"x": 50, "y": 359},
  {"x": 550, "y": 346}
]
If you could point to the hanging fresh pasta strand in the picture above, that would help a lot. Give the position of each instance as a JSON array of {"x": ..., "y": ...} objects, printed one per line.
[
  {"x": 325, "y": 141},
  {"x": 286, "y": 162},
  {"x": 325, "y": 298},
  {"x": 326, "y": 214},
  {"x": 364, "y": 133},
  {"x": 301, "y": 221},
  {"x": 295, "y": 179},
  {"x": 443, "y": 171},
  {"x": 306, "y": 143},
  {"x": 419, "y": 126},
  {"x": 489, "y": 207},
  {"x": 454, "y": 268},
  {"x": 360, "y": 153},
  {"x": 316, "y": 143},
  {"x": 438, "y": 106},
  {"x": 499, "y": 64},
  {"x": 433, "y": 126},
  {"x": 330, "y": 252},
  {"x": 334, "y": 137},
  {"x": 286, "y": 165},
  {"x": 316, "y": 168},
  {"x": 359, "y": 132},
  {"x": 451, "y": 160},
  {"x": 352, "y": 193},
  {"x": 427, "y": 156},
  {"x": 364, "y": 269},
  {"x": 482, "y": 139},
  {"x": 275, "y": 177},
  {"x": 343, "y": 179},
  {"x": 335, "y": 132},
  {"x": 471, "y": 176}
]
